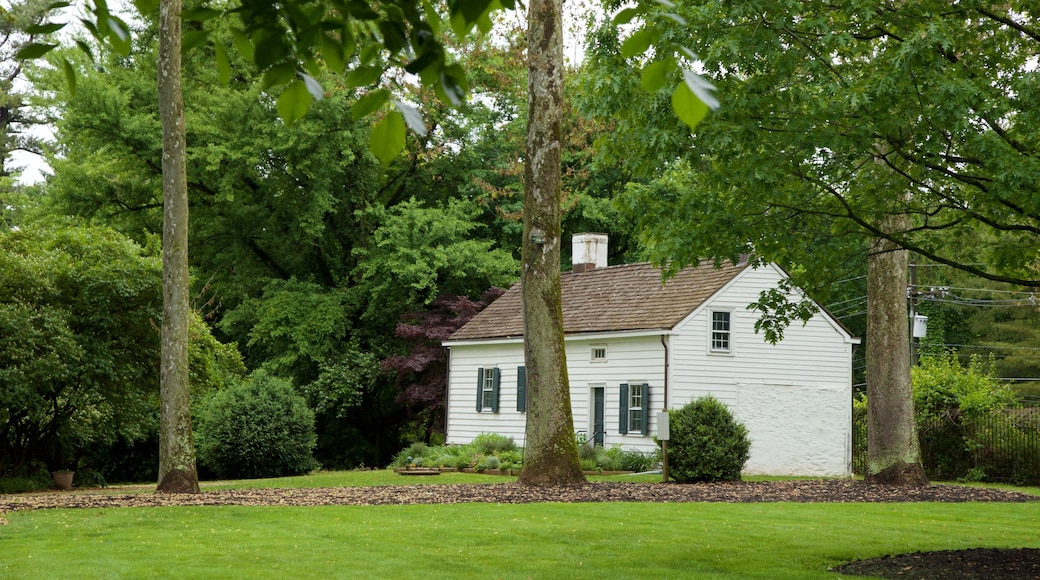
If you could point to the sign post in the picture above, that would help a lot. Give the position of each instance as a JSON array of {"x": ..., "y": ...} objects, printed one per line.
[{"x": 663, "y": 434}]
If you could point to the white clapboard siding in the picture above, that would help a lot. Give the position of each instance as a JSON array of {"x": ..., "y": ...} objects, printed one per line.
[
  {"x": 802, "y": 385},
  {"x": 629, "y": 359},
  {"x": 464, "y": 423},
  {"x": 794, "y": 396}
]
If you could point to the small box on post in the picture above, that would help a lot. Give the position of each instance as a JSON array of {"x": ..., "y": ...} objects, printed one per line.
[{"x": 663, "y": 434}]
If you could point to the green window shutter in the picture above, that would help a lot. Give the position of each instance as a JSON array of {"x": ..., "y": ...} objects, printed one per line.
[
  {"x": 480, "y": 390},
  {"x": 497, "y": 376},
  {"x": 623, "y": 415},
  {"x": 521, "y": 389},
  {"x": 646, "y": 409}
]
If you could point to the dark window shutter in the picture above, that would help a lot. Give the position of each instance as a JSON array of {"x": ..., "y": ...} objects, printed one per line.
[
  {"x": 646, "y": 409},
  {"x": 496, "y": 377},
  {"x": 521, "y": 389},
  {"x": 623, "y": 415},
  {"x": 480, "y": 390}
]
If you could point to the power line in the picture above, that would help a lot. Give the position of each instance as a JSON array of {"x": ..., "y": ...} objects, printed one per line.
[{"x": 1029, "y": 348}]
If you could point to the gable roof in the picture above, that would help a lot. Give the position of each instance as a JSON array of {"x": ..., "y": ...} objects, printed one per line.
[{"x": 612, "y": 299}]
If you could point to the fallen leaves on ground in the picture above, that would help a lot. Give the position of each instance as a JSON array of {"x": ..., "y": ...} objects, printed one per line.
[{"x": 801, "y": 491}]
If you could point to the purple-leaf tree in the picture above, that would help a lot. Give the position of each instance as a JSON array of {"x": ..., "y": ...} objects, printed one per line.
[{"x": 422, "y": 373}]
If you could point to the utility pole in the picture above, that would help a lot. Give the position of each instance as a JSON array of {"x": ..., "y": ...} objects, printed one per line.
[{"x": 912, "y": 296}]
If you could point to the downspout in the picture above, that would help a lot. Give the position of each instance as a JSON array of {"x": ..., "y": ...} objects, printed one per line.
[
  {"x": 850, "y": 458},
  {"x": 667, "y": 362},
  {"x": 447, "y": 388}
]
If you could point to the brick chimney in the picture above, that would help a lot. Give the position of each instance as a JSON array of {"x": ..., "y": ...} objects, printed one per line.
[{"x": 588, "y": 252}]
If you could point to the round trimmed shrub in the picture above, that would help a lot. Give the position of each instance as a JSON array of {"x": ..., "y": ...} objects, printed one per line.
[
  {"x": 706, "y": 443},
  {"x": 259, "y": 427}
]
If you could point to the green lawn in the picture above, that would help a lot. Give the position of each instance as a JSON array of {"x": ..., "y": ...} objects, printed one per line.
[{"x": 778, "y": 540}]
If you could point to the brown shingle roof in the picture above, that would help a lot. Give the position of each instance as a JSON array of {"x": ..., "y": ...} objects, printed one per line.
[{"x": 612, "y": 299}]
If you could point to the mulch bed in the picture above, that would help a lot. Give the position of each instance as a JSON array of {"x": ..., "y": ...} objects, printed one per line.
[{"x": 980, "y": 563}]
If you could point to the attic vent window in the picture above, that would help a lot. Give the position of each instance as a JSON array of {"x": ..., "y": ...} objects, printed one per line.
[{"x": 599, "y": 353}]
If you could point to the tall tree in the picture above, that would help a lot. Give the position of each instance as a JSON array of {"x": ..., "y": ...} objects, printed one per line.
[
  {"x": 21, "y": 24},
  {"x": 550, "y": 451},
  {"x": 893, "y": 448},
  {"x": 177, "y": 470},
  {"x": 790, "y": 169}
]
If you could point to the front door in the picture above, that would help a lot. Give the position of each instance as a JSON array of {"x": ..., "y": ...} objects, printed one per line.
[{"x": 599, "y": 423}]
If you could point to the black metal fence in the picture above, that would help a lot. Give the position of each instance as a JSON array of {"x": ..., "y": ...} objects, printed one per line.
[{"x": 999, "y": 446}]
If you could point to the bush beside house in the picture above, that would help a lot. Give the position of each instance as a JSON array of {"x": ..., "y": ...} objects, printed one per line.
[{"x": 707, "y": 443}]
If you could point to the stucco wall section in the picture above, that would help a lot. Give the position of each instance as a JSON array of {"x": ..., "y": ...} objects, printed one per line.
[{"x": 797, "y": 429}]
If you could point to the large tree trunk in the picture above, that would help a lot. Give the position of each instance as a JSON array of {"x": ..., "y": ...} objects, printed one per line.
[
  {"x": 177, "y": 472},
  {"x": 893, "y": 450},
  {"x": 550, "y": 452}
]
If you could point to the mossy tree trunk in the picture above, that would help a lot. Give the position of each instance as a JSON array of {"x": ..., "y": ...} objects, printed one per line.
[
  {"x": 177, "y": 471},
  {"x": 893, "y": 449},
  {"x": 550, "y": 451}
]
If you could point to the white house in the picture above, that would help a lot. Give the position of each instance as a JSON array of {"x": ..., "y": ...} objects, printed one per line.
[{"x": 636, "y": 346}]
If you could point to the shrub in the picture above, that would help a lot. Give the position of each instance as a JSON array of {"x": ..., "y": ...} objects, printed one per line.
[
  {"x": 943, "y": 387},
  {"x": 39, "y": 481},
  {"x": 588, "y": 451},
  {"x": 638, "y": 461},
  {"x": 707, "y": 443},
  {"x": 411, "y": 455},
  {"x": 492, "y": 462},
  {"x": 516, "y": 457},
  {"x": 259, "y": 427},
  {"x": 492, "y": 443},
  {"x": 462, "y": 461},
  {"x": 964, "y": 434}
]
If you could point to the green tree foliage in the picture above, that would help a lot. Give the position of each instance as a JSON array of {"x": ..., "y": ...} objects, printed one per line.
[
  {"x": 417, "y": 253},
  {"x": 21, "y": 24},
  {"x": 295, "y": 230},
  {"x": 965, "y": 419},
  {"x": 78, "y": 348},
  {"x": 980, "y": 317},
  {"x": 258, "y": 427},
  {"x": 837, "y": 119},
  {"x": 943, "y": 386},
  {"x": 268, "y": 201},
  {"x": 833, "y": 115},
  {"x": 706, "y": 443}
]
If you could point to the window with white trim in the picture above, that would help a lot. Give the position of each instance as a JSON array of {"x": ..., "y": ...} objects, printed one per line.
[
  {"x": 720, "y": 331},
  {"x": 635, "y": 403},
  {"x": 488, "y": 381}
]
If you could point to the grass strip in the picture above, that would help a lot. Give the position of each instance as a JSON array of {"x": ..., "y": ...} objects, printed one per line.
[{"x": 778, "y": 540}]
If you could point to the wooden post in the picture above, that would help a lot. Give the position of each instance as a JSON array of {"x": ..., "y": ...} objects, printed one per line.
[{"x": 664, "y": 461}]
